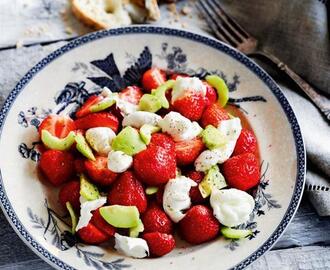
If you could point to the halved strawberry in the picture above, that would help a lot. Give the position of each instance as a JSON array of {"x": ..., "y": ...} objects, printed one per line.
[
  {"x": 70, "y": 192},
  {"x": 102, "y": 119},
  {"x": 57, "y": 125},
  {"x": 98, "y": 171},
  {"x": 213, "y": 115},
  {"x": 85, "y": 108},
  {"x": 187, "y": 151},
  {"x": 153, "y": 78},
  {"x": 211, "y": 94},
  {"x": 131, "y": 94},
  {"x": 191, "y": 105},
  {"x": 57, "y": 166},
  {"x": 101, "y": 224},
  {"x": 92, "y": 235}
]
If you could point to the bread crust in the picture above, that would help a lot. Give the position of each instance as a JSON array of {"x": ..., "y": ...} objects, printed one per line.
[{"x": 86, "y": 19}]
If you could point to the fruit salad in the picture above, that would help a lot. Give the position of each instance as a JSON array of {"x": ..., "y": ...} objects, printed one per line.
[{"x": 168, "y": 155}]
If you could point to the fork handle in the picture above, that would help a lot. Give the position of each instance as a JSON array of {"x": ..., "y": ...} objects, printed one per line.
[{"x": 322, "y": 102}]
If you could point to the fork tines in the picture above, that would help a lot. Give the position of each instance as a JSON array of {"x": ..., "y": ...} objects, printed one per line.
[{"x": 224, "y": 27}]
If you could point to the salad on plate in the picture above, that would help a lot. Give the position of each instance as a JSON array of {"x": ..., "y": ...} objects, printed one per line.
[{"x": 163, "y": 158}]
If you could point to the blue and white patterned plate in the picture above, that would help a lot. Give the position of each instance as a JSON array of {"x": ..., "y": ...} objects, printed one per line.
[{"x": 116, "y": 58}]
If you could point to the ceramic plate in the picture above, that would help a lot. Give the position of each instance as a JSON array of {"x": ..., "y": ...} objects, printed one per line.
[{"x": 116, "y": 58}]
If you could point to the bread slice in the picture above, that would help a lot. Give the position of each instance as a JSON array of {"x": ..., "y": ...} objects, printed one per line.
[
  {"x": 101, "y": 14},
  {"x": 151, "y": 6}
]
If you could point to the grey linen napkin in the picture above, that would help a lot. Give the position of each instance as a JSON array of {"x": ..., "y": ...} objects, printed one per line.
[{"x": 296, "y": 31}]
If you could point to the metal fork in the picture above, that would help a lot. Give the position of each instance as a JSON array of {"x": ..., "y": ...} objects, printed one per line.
[{"x": 229, "y": 31}]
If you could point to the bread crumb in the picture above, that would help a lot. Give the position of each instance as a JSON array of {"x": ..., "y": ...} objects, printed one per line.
[
  {"x": 68, "y": 30},
  {"x": 186, "y": 10},
  {"x": 19, "y": 44},
  {"x": 172, "y": 8},
  {"x": 184, "y": 25}
]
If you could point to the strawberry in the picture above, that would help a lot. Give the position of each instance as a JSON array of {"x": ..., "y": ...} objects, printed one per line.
[
  {"x": 174, "y": 76},
  {"x": 199, "y": 225},
  {"x": 211, "y": 94},
  {"x": 98, "y": 221},
  {"x": 57, "y": 166},
  {"x": 164, "y": 141},
  {"x": 213, "y": 115},
  {"x": 194, "y": 193},
  {"x": 153, "y": 78},
  {"x": 70, "y": 192},
  {"x": 159, "y": 243},
  {"x": 155, "y": 165},
  {"x": 102, "y": 119},
  {"x": 131, "y": 94},
  {"x": 85, "y": 108},
  {"x": 92, "y": 235},
  {"x": 155, "y": 220},
  {"x": 246, "y": 143},
  {"x": 242, "y": 171},
  {"x": 187, "y": 151},
  {"x": 191, "y": 105},
  {"x": 127, "y": 190},
  {"x": 59, "y": 126},
  {"x": 79, "y": 165},
  {"x": 98, "y": 171}
]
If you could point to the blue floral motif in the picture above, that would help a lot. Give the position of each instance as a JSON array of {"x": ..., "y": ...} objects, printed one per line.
[
  {"x": 64, "y": 240},
  {"x": 32, "y": 117},
  {"x": 29, "y": 152},
  {"x": 73, "y": 93},
  {"x": 175, "y": 58},
  {"x": 114, "y": 80}
]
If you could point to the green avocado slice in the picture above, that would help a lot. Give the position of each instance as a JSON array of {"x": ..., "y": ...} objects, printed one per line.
[
  {"x": 121, "y": 216},
  {"x": 128, "y": 141},
  {"x": 146, "y": 131},
  {"x": 213, "y": 138},
  {"x": 151, "y": 190},
  {"x": 55, "y": 143},
  {"x": 83, "y": 147},
  {"x": 160, "y": 92},
  {"x": 234, "y": 233},
  {"x": 134, "y": 232},
  {"x": 149, "y": 103},
  {"x": 88, "y": 190},
  {"x": 212, "y": 179},
  {"x": 103, "y": 104},
  {"x": 221, "y": 87},
  {"x": 74, "y": 218}
]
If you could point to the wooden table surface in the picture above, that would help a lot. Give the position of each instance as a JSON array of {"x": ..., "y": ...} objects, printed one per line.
[{"x": 45, "y": 25}]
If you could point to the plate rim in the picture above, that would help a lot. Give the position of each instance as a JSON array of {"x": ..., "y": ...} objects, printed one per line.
[{"x": 42, "y": 252}]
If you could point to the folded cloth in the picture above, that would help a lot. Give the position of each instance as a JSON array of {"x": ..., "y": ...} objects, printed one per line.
[{"x": 296, "y": 31}]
